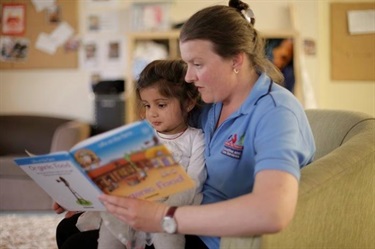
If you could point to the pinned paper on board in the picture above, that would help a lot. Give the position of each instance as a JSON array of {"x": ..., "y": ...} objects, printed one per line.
[
  {"x": 34, "y": 37},
  {"x": 14, "y": 49},
  {"x": 352, "y": 41},
  {"x": 13, "y": 19},
  {"x": 45, "y": 44},
  {"x": 49, "y": 43},
  {"x": 361, "y": 22},
  {"x": 43, "y": 4}
]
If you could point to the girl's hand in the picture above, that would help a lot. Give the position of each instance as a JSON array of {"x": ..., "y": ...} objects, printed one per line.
[
  {"x": 59, "y": 210},
  {"x": 139, "y": 214}
]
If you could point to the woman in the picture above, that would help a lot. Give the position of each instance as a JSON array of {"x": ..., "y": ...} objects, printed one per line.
[{"x": 256, "y": 132}]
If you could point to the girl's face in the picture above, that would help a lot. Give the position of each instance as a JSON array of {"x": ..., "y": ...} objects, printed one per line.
[
  {"x": 210, "y": 73},
  {"x": 163, "y": 113}
]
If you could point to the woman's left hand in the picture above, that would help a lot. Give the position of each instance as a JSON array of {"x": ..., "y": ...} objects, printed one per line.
[{"x": 139, "y": 214}]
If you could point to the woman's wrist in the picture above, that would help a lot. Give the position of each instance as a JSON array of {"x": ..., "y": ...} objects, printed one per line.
[{"x": 169, "y": 223}]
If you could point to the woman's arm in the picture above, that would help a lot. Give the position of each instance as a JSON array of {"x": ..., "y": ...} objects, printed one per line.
[{"x": 268, "y": 209}]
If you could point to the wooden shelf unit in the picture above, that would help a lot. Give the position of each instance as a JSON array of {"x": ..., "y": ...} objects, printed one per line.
[
  {"x": 171, "y": 39},
  {"x": 168, "y": 37}
]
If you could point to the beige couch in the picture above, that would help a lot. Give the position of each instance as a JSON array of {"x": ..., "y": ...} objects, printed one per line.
[
  {"x": 39, "y": 135},
  {"x": 336, "y": 205}
]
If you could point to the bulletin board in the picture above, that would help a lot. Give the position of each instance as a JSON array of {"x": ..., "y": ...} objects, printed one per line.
[
  {"x": 37, "y": 22},
  {"x": 352, "y": 56}
]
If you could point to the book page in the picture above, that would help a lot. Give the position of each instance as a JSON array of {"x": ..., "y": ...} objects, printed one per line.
[{"x": 63, "y": 181}]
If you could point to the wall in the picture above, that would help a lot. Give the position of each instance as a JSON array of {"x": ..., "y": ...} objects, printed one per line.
[
  {"x": 350, "y": 95},
  {"x": 63, "y": 93},
  {"x": 67, "y": 93}
]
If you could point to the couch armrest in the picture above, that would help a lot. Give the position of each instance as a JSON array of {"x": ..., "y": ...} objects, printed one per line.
[
  {"x": 336, "y": 200},
  {"x": 69, "y": 134}
]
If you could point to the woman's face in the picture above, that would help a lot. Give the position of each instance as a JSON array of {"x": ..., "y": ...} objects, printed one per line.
[{"x": 210, "y": 73}]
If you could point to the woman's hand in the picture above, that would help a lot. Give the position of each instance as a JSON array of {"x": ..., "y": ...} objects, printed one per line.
[{"x": 139, "y": 214}]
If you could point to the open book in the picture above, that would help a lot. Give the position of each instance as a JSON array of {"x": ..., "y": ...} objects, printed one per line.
[{"x": 127, "y": 161}]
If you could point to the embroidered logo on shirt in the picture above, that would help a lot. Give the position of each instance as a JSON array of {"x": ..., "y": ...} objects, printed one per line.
[{"x": 233, "y": 147}]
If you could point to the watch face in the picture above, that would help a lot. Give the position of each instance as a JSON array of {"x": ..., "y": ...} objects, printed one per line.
[{"x": 169, "y": 225}]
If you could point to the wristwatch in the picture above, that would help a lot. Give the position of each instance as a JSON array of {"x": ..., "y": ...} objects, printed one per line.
[{"x": 169, "y": 223}]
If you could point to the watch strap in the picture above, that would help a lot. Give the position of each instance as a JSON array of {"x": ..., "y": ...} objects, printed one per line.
[{"x": 171, "y": 211}]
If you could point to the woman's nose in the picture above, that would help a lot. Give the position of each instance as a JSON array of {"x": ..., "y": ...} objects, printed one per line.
[{"x": 190, "y": 76}]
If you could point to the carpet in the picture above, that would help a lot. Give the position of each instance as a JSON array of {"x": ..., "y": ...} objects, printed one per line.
[{"x": 28, "y": 230}]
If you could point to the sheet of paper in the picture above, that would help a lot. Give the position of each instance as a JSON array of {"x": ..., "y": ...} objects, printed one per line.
[
  {"x": 104, "y": 56},
  {"x": 43, "y": 4},
  {"x": 46, "y": 44},
  {"x": 101, "y": 3},
  {"x": 62, "y": 33},
  {"x": 361, "y": 22}
]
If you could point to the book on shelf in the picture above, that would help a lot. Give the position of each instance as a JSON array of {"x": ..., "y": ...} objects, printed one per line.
[{"x": 126, "y": 161}]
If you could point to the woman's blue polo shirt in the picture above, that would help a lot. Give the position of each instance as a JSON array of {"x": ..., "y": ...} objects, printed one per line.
[{"x": 269, "y": 131}]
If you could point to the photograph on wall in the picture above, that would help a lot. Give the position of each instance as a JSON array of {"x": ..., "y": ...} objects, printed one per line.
[
  {"x": 91, "y": 51},
  {"x": 113, "y": 50},
  {"x": 93, "y": 22},
  {"x": 13, "y": 21},
  {"x": 13, "y": 49},
  {"x": 280, "y": 52}
]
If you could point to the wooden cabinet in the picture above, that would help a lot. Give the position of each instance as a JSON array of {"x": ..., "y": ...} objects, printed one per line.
[{"x": 169, "y": 38}]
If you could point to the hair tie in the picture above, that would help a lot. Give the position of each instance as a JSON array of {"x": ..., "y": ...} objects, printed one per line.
[{"x": 249, "y": 15}]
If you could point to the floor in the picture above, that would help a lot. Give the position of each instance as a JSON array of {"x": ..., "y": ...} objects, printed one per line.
[{"x": 28, "y": 229}]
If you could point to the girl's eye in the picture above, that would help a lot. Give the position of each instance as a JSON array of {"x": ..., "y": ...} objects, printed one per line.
[
  {"x": 146, "y": 106},
  {"x": 162, "y": 105}
]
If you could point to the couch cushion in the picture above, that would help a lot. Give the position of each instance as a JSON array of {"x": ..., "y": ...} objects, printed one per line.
[
  {"x": 20, "y": 132},
  {"x": 13, "y": 195},
  {"x": 8, "y": 168}
]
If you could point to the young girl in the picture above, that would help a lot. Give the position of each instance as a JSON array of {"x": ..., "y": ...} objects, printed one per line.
[{"x": 166, "y": 102}]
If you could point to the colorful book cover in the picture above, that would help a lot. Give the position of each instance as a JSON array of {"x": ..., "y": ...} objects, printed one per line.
[{"x": 127, "y": 161}]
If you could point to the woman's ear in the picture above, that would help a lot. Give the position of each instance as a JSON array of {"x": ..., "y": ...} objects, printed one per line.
[{"x": 238, "y": 60}]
